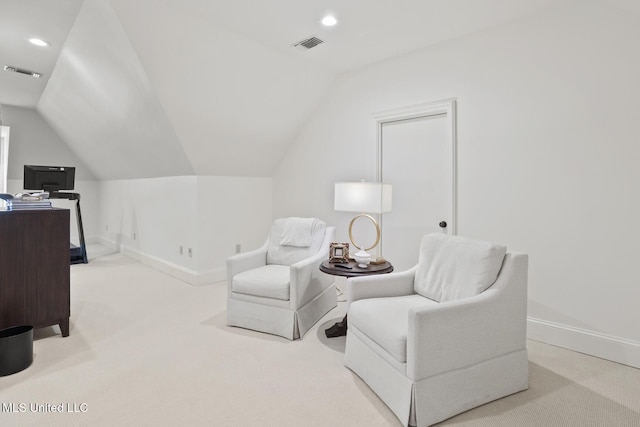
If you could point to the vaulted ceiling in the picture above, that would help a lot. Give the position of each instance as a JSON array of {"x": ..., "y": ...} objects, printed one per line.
[{"x": 151, "y": 88}]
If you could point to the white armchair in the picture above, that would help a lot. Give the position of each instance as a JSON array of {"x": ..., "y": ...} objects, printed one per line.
[
  {"x": 279, "y": 288},
  {"x": 445, "y": 336}
]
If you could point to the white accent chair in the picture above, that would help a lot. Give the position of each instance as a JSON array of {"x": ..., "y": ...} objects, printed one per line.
[
  {"x": 278, "y": 288},
  {"x": 445, "y": 336}
]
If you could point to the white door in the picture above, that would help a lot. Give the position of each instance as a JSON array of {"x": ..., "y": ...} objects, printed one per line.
[{"x": 417, "y": 157}]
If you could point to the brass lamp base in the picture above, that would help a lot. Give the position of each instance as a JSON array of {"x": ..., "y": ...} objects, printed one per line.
[{"x": 375, "y": 223}]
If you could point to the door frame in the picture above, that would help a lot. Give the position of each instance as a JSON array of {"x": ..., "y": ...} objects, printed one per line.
[
  {"x": 4, "y": 158},
  {"x": 445, "y": 108}
]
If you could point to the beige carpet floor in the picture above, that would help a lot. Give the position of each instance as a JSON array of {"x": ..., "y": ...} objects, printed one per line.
[{"x": 146, "y": 349}]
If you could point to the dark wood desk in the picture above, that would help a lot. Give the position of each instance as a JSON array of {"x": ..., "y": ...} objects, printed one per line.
[
  {"x": 34, "y": 268},
  {"x": 350, "y": 270}
]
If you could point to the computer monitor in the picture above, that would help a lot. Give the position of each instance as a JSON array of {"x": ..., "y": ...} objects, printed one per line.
[{"x": 49, "y": 178}]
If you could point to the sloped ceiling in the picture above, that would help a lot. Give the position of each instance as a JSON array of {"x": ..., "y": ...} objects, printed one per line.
[
  {"x": 235, "y": 104},
  {"x": 151, "y": 88},
  {"x": 100, "y": 101},
  {"x": 19, "y": 21}
]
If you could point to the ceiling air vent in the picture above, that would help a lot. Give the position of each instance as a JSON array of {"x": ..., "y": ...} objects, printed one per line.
[
  {"x": 308, "y": 43},
  {"x": 22, "y": 71}
]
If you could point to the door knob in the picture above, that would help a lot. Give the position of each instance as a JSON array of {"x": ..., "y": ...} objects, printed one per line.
[{"x": 443, "y": 224}]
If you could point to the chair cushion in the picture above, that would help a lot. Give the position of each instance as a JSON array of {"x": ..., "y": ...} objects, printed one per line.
[
  {"x": 269, "y": 281},
  {"x": 454, "y": 267},
  {"x": 286, "y": 254},
  {"x": 386, "y": 321}
]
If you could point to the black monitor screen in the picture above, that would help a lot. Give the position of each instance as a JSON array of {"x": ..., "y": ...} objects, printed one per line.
[{"x": 49, "y": 178}]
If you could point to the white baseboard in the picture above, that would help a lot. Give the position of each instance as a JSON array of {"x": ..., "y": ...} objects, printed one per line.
[
  {"x": 596, "y": 344},
  {"x": 93, "y": 239},
  {"x": 186, "y": 275}
]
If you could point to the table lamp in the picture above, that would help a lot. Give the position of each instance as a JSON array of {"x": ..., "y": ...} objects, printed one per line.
[{"x": 363, "y": 197}]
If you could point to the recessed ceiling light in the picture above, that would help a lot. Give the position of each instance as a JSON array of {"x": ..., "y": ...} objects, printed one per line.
[
  {"x": 39, "y": 42},
  {"x": 329, "y": 21}
]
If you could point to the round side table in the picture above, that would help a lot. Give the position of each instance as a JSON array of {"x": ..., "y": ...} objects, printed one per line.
[{"x": 350, "y": 269}]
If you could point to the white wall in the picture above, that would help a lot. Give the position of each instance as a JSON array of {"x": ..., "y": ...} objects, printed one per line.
[
  {"x": 548, "y": 136},
  {"x": 231, "y": 211},
  {"x": 150, "y": 219},
  {"x": 33, "y": 142}
]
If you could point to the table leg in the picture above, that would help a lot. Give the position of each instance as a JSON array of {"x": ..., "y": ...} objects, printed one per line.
[{"x": 64, "y": 327}]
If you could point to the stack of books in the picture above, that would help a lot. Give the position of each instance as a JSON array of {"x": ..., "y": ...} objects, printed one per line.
[{"x": 27, "y": 201}]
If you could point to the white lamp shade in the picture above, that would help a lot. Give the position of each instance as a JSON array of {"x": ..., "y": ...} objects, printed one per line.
[{"x": 365, "y": 197}]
